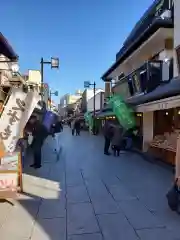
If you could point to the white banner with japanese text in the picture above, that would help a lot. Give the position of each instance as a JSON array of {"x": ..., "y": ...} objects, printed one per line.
[{"x": 16, "y": 113}]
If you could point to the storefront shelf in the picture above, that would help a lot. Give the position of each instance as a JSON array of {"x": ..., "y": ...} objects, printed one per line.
[
  {"x": 162, "y": 147},
  {"x": 164, "y": 154}
]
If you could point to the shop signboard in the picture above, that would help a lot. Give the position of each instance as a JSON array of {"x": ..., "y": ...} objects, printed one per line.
[
  {"x": 15, "y": 116},
  {"x": 10, "y": 162},
  {"x": 10, "y": 175},
  {"x": 162, "y": 104},
  {"x": 86, "y": 84},
  {"x": 8, "y": 181}
]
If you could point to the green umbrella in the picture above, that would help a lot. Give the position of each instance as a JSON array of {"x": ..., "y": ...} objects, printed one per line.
[{"x": 123, "y": 113}]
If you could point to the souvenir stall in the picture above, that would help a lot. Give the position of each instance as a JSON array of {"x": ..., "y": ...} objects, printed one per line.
[
  {"x": 17, "y": 109},
  {"x": 166, "y": 132}
]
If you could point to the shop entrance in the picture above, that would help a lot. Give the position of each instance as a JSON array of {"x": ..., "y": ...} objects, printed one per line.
[{"x": 166, "y": 132}]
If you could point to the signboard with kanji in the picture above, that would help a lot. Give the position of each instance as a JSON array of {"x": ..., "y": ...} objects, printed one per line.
[
  {"x": 123, "y": 113},
  {"x": 16, "y": 113}
]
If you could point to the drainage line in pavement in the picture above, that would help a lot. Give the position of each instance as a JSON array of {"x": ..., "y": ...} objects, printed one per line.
[{"x": 91, "y": 203}]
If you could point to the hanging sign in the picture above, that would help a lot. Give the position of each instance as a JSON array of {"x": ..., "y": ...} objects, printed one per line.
[
  {"x": 88, "y": 119},
  {"x": 10, "y": 175},
  {"x": 123, "y": 113},
  {"x": 87, "y": 84},
  {"x": 9, "y": 162},
  {"x": 15, "y": 116}
]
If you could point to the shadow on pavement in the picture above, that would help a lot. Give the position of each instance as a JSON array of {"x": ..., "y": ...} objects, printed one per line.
[{"x": 40, "y": 212}]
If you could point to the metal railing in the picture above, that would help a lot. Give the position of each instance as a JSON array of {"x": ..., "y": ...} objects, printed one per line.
[{"x": 145, "y": 78}]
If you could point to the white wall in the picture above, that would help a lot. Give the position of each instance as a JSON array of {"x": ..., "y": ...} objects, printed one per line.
[
  {"x": 165, "y": 54},
  {"x": 148, "y": 126},
  {"x": 98, "y": 101},
  {"x": 61, "y": 111},
  {"x": 64, "y": 100},
  {"x": 176, "y": 32},
  {"x": 90, "y": 93}
]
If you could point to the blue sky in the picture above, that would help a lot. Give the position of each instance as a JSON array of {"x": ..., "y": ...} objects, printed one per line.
[{"x": 84, "y": 34}]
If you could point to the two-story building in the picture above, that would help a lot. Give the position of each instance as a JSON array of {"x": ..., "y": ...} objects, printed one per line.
[
  {"x": 88, "y": 100},
  {"x": 7, "y": 56},
  {"x": 68, "y": 104},
  {"x": 145, "y": 75}
]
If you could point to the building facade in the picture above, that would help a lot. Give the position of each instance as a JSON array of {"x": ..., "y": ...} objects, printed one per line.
[
  {"x": 146, "y": 74},
  {"x": 68, "y": 103},
  {"x": 87, "y": 96},
  {"x": 99, "y": 102}
]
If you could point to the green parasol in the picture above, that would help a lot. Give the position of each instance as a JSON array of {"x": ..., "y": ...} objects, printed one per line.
[{"x": 123, "y": 113}]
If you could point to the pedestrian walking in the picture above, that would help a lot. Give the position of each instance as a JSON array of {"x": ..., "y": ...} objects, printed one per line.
[
  {"x": 77, "y": 127},
  {"x": 73, "y": 127},
  {"x": 58, "y": 127},
  {"x": 39, "y": 133},
  {"x": 108, "y": 133}
]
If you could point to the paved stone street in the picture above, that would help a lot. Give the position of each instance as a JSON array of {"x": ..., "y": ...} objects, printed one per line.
[{"x": 88, "y": 196}]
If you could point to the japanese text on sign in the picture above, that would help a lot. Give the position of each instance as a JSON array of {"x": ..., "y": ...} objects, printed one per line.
[{"x": 14, "y": 117}]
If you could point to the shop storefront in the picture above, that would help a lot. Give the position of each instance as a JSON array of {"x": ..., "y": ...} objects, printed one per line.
[
  {"x": 166, "y": 132},
  {"x": 161, "y": 121}
]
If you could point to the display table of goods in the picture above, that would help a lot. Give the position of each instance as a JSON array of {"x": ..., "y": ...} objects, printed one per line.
[{"x": 168, "y": 141}]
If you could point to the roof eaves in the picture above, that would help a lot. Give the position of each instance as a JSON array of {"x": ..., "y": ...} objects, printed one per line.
[
  {"x": 130, "y": 49},
  {"x": 12, "y": 55}
]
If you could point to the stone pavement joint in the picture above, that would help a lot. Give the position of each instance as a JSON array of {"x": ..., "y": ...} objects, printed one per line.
[{"x": 88, "y": 196}]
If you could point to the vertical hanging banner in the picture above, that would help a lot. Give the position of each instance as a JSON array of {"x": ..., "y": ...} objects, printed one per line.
[
  {"x": 123, "y": 113},
  {"x": 16, "y": 113},
  {"x": 89, "y": 119}
]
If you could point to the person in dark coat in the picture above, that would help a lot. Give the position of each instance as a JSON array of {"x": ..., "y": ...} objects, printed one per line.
[
  {"x": 39, "y": 133},
  {"x": 58, "y": 127},
  {"x": 108, "y": 133},
  {"x": 77, "y": 127}
]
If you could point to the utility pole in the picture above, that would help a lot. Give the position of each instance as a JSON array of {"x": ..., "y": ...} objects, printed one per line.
[{"x": 94, "y": 107}]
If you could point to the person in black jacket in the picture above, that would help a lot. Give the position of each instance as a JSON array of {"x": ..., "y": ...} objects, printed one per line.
[
  {"x": 58, "y": 127},
  {"x": 108, "y": 134},
  {"x": 39, "y": 133},
  {"x": 77, "y": 127}
]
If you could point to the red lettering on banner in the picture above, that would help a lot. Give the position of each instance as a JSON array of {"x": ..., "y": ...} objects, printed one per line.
[{"x": 7, "y": 183}]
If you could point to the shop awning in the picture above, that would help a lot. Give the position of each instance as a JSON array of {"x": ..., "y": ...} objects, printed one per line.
[{"x": 163, "y": 91}]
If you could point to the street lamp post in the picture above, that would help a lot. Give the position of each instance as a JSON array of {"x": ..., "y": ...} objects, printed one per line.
[
  {"x": 87, "y": 84},
  {"x": 54, "y": 64}
]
